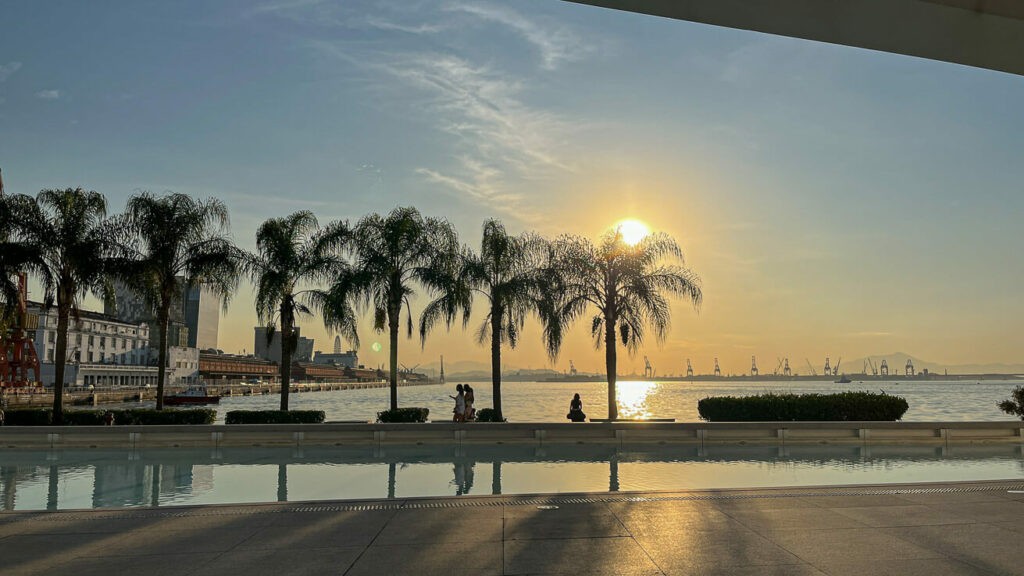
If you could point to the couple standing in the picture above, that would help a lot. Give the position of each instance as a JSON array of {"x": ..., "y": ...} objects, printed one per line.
[{"x": 463, "y": 403}]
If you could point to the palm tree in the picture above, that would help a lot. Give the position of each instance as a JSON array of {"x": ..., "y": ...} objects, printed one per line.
[
  {"x": 390, "y": 256},
  {"x": 180, "y": 242},
  {"x": 294, "y": 255},
  {"x": 74, "y": 240},
  {"x": 625, "y": 285},
  {"x": 16, "y": 258},
  {"x": 507, "y": 272}
]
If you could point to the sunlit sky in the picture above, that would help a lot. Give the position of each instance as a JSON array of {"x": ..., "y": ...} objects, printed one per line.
[{"x": 835, "y": 201}]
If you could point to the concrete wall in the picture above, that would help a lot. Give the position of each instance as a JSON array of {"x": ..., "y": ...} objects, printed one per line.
[
  {"x": 697, "y": 433},
  {"x": 981, "y": 33}
]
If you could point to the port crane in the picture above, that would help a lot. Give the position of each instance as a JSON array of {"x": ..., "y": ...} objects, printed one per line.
[
  {"x": 785, "y": 369},
  {"x": 828, "y": 366},
  {"x": 718, "y": 371},
  {"x": 884, "y": 368},
  {"x": 753, "y": 365},
  {"x": 572, "y": 369},
  {"x": 909, "y": 369},
  {"x": 811, "y": 367},
  {"x": 835, "y": 371},
  {"x": 648, "y": 369},
  {"x": 689, "y": 369}
]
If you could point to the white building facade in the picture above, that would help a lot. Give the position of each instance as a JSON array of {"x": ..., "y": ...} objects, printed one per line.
[{"x": 104, "y": 351}]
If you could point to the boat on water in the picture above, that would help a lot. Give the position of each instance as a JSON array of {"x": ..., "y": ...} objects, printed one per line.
[
  {"x": 843, "y": 380},
  {"x": 192, "y": 395}
]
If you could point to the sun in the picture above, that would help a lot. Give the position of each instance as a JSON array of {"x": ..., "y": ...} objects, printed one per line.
[{"x": 633, "y": 231}]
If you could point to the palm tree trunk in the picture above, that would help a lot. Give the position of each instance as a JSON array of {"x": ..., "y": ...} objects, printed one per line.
[
  {"x": 286, "y": 354},
  {"x": 496, "y": 314},
  {"x": 60, "y": 356},
  {"x": 609, "y": 361},
  {"x": 393, "y": 320},
  {"x": 161, "y": 374}
]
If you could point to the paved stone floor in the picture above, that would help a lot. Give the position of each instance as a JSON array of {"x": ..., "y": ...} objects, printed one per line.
[{"x": 928, "y": 529}]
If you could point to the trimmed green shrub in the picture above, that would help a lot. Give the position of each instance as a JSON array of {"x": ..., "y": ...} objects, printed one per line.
[
  {"x": 1015, "y": 405},
  {"x": 275, "y": 417},
  {"x": 488, "y": 415},
  {"x": 87, "y": 417},
  {"x": 43, "y": 417},
  {"x": 156, "y": 417},
  {"x": 404, "y": 415},
  {"x": 28, "y": 417},
  {"x": 844, "y": 406}
]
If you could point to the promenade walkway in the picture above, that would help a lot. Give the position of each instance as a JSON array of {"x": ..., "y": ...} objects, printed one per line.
[{"x": 928, "y": 529}]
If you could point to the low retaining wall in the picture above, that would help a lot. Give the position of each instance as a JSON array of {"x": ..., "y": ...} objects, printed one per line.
[{"x": 700, "y": 433}]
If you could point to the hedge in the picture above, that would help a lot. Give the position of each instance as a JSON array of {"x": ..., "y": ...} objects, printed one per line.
[
  {"x": 144, "y": 417},
  {"x": 404, "y": 415},
  {"x": 488, "y": 415},
  {"x": 27, "y": 417},
  {"x": 275, "y": 417},
  {"x": 844, "y": 406}
]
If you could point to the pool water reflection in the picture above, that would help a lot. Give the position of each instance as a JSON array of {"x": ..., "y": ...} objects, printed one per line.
[{"x": 103, "y": 479}]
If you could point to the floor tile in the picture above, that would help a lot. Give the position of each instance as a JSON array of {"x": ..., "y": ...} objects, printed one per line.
[
  {"x": 794, "y": 519},
  {"x": 688, "y": 551},
  {"x": 481, "y": 558},
  {"x": 907, "y": 515},
  {"x": 835, "y": 546},
  {"x": 612, "y": 556},
  {"x": 860, "y": 500},
  {"x": 326, "y": 532},
  {"x": 157, "y": 565},
  {"x": 452, "y": 525},
  {"x": 282, "y": 562},
  {"x": 922, "y": 567},
  {"x": 152, "y": 541}
]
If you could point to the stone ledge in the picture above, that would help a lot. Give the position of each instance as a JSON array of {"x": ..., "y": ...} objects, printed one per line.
[{"x": 447, "y": 433}]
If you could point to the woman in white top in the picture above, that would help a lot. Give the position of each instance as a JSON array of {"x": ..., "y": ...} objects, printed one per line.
[{"x": 460, "y": 405}]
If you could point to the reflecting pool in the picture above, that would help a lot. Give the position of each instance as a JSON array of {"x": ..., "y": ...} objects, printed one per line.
[{"x": 104, "y": 478}]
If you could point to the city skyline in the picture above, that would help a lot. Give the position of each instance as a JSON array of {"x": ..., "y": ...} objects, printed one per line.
[{"x": 835, "y": 201}]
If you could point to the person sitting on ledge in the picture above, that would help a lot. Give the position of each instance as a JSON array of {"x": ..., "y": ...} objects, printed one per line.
[{"x": 576, "y": 410}]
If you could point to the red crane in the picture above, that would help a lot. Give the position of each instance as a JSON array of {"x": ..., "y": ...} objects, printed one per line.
[{"x": 17, "y": 349}]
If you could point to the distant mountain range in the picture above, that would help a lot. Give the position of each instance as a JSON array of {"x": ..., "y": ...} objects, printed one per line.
[
  {"x": 475, "y": 371},
  {"x": 897, "y": 363}
]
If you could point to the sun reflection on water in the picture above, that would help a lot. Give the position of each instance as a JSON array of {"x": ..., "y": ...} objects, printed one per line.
[{"x": 633, "y": 398}]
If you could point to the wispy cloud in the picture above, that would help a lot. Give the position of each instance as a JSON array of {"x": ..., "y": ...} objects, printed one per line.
[
  {"x": 345, "y": 15},
  {"x": 8, "y": 70},
  {"x": 502, "y": 139},
  {"x": 556, "y": 43},
  {"x": 48, "y": 94},
  {"x": 499, "y": 141},
  {"x": 285, "y": 5},
  {"x": 382, "y": 24}
]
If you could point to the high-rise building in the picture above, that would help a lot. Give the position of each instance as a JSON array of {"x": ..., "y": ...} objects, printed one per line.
[
  {"x": 129, "y": 306},
  {"x": 202, "y": 317},
  {"x": 194, "y": 315},
  {"x": 272, "y": 350}
]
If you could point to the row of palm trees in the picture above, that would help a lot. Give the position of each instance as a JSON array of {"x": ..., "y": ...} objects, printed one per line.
[{"x": 340, "y": 271}]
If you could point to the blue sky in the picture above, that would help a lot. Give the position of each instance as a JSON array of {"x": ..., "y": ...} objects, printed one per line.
[{"x": 834, "y": 200}]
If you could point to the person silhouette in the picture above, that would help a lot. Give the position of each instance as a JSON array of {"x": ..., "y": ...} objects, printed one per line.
[
  {"x": 460, "y": 405},
  {"x": 576, "y": 410}
]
